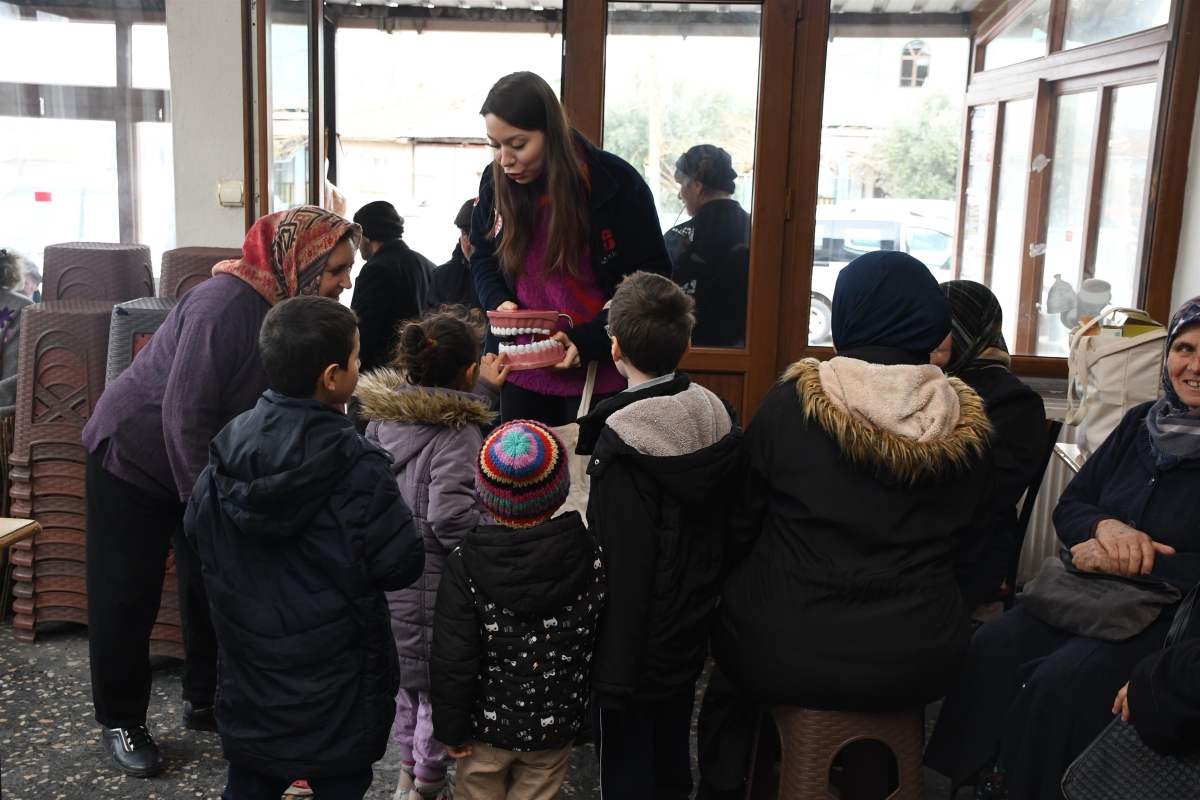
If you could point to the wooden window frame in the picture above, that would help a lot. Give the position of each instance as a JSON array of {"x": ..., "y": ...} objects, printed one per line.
[
  {"x": 259, "y": 149},
  {"x": 121, "y": 104},
  {"x": 1174, "y": 49},
  {"x": 743, "y": 375},
  {"x": 794, "y": 46},
  {"x": 1133, "y": 59}
]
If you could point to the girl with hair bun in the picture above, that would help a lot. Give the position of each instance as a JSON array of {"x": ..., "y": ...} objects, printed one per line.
[
  {"x": 422, "y": 410},
  {"x": 558, "y": 224}
]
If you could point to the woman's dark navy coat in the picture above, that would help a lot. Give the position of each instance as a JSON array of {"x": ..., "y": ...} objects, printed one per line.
[{"x": 623, "y": 238}]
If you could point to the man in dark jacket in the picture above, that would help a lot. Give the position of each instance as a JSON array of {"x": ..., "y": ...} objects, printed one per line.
[
  {"x": 663, "y": 455},
  {"x": 301, "y": 528},
  {"x": 452, "y": 283},
  {"x": 392, "y": 286}
]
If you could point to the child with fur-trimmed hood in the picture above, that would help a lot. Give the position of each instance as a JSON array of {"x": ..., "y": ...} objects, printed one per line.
[
  {"x": 424, "y": 413},
  {"x": 664, "y": 456}
]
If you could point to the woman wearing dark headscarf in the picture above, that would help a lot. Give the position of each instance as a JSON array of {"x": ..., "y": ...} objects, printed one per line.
[
  {"x": 864, "y": 472},
  {"x": 710, "y": 252},
  {"x": 978, "y": 356},
  {"x": 147, "y": 444},
  {"x": 1031, "y": 696}
]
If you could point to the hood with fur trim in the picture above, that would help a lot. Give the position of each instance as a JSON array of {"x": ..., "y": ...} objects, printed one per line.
[
  {"x": 386, "y": 395},
  {"x": 876, "y": 449}
]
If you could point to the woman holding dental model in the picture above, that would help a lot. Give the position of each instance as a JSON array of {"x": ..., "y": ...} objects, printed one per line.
[{"x": 557, "y": 225}]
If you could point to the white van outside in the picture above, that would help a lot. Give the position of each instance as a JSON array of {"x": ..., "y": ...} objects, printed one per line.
[{"x": 845, "y": 231}]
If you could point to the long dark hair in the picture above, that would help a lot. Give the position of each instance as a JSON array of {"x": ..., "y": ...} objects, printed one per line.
[{"x": 525, "y": 101}]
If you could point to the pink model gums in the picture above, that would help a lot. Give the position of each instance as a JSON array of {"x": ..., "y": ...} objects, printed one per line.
[{"x": 532, "y": 354}]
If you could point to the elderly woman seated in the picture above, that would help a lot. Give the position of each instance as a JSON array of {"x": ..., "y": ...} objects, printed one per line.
[{"x": 1032, "y": 696}]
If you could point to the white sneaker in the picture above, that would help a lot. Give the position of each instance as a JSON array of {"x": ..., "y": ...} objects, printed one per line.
[
  {"x": 441, "y": 790},
  {"x": 404, "y": 784}
]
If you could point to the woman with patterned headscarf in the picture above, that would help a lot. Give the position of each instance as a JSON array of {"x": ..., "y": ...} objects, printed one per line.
[
  {"x": 975, "y": 353},
  {"x": 1032, "y": 696},
  {"x": 147, "y": 443}
]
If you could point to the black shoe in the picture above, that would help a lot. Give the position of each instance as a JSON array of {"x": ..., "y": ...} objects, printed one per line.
[
  {"x": 134, "y": 751},
  {"x": 198, "y": 718}
]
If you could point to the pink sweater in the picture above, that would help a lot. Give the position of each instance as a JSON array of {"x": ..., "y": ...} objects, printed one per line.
[{"x": 579, "y": 298}]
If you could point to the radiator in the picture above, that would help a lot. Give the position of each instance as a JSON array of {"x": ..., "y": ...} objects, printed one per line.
[{"x": 1040, "y": 539}]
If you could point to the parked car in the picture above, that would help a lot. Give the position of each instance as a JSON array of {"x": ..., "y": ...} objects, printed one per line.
[{"x": 845, "y": 231}]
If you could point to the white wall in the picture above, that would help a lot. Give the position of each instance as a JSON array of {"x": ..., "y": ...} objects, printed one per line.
[
  {"x": 206, "y": 110},
  {"x": 1187, "y": 265}
]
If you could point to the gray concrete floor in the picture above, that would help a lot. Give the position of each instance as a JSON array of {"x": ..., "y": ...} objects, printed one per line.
[{"x": 49, "y": 740}]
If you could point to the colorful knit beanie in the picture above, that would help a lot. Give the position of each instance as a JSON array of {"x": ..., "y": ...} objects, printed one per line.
[{"x": 522, "y": 476}]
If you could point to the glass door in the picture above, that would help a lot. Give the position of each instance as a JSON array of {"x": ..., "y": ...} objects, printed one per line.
[
  {"x": 681, "y": 105},
  {"x": 684, "y": 98}
]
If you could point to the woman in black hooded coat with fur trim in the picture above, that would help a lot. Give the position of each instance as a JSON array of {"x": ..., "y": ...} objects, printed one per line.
[{"x": 866, "y": 475}]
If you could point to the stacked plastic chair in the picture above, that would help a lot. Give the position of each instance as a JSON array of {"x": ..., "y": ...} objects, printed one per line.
[
  {"x": 132, "y": 325},
  {"x": 188, "y": 267},
  {"x": 97, "y": 271},
  {"x": 64, "y": 350},
  {"x": 62, "y": 372}
]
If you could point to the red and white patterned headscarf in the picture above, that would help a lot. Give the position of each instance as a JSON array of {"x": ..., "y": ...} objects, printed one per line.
[{"x": 285, "y": 253}]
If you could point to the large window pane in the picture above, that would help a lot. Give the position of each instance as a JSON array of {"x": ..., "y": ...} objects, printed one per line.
[
  {"x": 76, "y": 163},
  {"x": 53, "y": 50},
  {"x": 667, "y": 95},
  {"x": 1091, "y": 21},
  {"x": 1009, "y": 235},
  {"x": 977, "y": 202},
  {"x": 156, "y": 189},
  {"x": 1065, "y": 234},
  {"x": 58, "y": 183},
  {"x": 151, "y": 69},
  {"x": 1022, "y": 40},
  {"x": 409, "y": 129},
  {"x": 890, "y": 152},
  {"x": 1127, "y": 153},
  {"x": 289, "y": 92}
]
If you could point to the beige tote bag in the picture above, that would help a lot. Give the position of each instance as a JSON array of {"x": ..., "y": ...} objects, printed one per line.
[
  {"x": 581, "y": 482},
  {"x": 1107, "y": 376}
]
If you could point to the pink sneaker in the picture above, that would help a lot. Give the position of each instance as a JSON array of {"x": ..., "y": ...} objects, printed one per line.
[{"x": 298, "y": 789}]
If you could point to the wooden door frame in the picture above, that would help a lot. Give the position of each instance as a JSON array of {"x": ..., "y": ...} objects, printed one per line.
[
  {"x": 792, "y": 77},
  {"x": 744, "y": 375}
]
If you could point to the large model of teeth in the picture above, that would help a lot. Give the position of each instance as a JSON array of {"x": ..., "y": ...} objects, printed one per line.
[{"x": 530, "y": 352}]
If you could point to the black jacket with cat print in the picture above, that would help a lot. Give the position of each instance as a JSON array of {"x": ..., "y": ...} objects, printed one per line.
[{"x": 513, "y": 631}]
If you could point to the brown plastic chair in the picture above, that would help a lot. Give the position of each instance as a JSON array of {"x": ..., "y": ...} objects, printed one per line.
[
  {"x": 812, "y": 739},
  {"x": 97, "y": 271},
  {"x": 188, "y": 267}
]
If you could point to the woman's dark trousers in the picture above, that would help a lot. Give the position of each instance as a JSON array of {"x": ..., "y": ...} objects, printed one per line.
[
  {"x": 129, "y": 532},
  {"x": 1034, "y": 695}
]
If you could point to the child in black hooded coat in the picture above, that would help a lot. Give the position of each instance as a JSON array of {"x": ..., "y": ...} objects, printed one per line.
[
  {"x": 514, "y": 625},
  {"x": 301, "y": 528}
]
